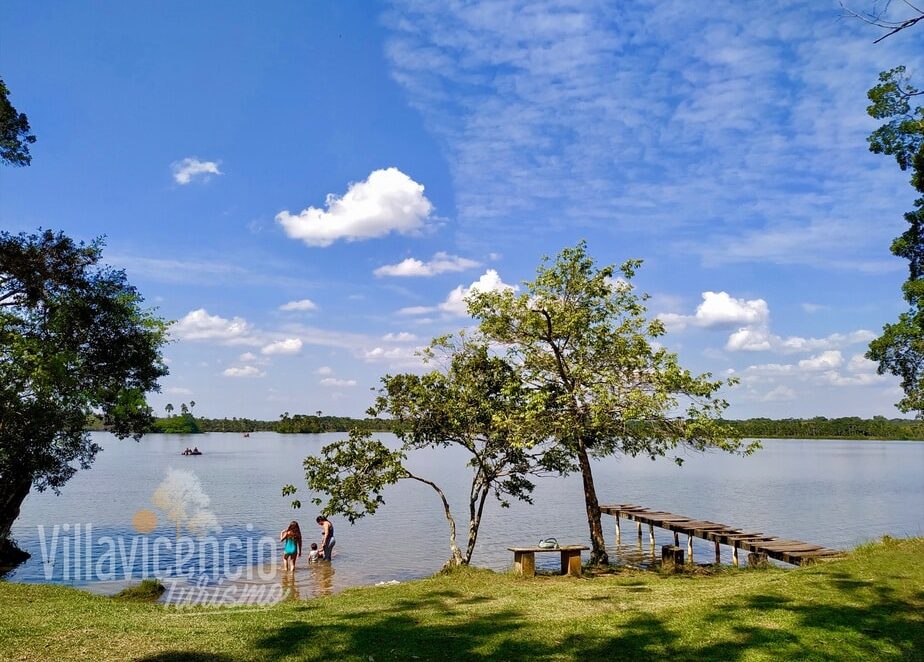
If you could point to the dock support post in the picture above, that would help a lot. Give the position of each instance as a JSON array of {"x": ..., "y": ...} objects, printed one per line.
[
  {"x": 718, "y": 553},
  {"x": 651, "y": 538},
  {"x": 638, "y": 527},
  {"x": 735, "y": 554},
  {"x": 676, "y": 539},
  {"x": 690, "y": 547}
]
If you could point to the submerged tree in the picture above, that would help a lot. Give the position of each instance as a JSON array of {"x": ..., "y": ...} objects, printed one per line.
[
  {"x": 472, "y": 406},
  {"x": 598, "y": 382},
  {"x": 900, "y": 348},
  {"x": 74, "y": 341}
]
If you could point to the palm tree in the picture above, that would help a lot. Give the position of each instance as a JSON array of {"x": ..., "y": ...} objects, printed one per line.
[
  {"x": 169, "y": 409},
  {"x": 192, "y": 403}
]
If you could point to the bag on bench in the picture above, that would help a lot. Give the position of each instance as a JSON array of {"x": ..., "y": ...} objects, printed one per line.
[{"x": 548, "y": 543}]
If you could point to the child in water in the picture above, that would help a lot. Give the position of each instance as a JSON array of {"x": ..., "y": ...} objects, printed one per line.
[
  {"x": 291, "y": 539},
  {"x": 313, "y": 554}
]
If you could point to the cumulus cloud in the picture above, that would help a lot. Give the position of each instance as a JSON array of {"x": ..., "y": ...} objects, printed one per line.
[
  {"x": 490, "y": 281},
  {"x": 190, "y": 168},
  {"x": 243, "y": 371},
  {"x": 333, "y": 381},
  {"x": 719, "y": 309},
  {"x": 287, "y": 346},
  {"x": 246, "y": 357},
  {"x": 199, "y": 325},
  {"x": 441, "y": 263},
  {"x": 387, "y": 201},
  {"x": 324, "y": 370},
  {"x": 824, "y": 361},
  {"x": 301, "y": 304}
]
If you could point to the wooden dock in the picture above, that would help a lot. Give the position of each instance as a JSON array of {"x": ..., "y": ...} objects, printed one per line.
[{"x": 795, "y": 552}]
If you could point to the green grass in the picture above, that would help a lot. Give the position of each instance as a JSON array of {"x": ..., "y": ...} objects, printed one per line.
[
  {"x": 149, "y": 590},
  {"x": 869, "y": 606}
]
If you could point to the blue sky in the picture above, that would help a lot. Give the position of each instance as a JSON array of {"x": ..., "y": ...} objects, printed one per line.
[{"x": 310, "y": 189}]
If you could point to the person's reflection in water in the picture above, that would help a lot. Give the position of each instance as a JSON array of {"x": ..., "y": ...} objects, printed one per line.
[
  {"x": 289, "y": 587},
  {"x": 322, "y": 578}
]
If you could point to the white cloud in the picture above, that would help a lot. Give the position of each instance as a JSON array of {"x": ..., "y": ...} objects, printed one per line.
[
  {"x": 185, "y": 170},
  {"x": 441, "y": 263},
  {"x": 490, "y": 281},
  {"x": 324, "y": 370},
  {"x": 824, "y": 361},
  {"x": 417, "y": 310},
  {"x": 719, "y": 309},
  {"x": 301, "y": 304},
  {"x": 287, "y": 346},
  {"x": 178, "y": 390},
  {"x": 199, "y": 325},
  {"x": 859, "y": 363},
  {"x": 387, "y": 201},
  {"x": 403, "y": 336},
  {"x": 332, "y": 381},
  {"x": 812, "y": 308},
  {"x": 749, "y": 339},
  {"x": 243, "y": 371},
  {"x": 247, "y": 357}
]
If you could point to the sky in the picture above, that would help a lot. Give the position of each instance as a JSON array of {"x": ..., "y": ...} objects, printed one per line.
[{"x": 309, "y": 190}]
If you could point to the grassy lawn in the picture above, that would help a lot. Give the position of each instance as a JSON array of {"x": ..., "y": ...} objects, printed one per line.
[{"x": 869, "y": 606}]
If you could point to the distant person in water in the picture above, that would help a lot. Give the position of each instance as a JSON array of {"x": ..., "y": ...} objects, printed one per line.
[
  {"x": 291, "y": 539},
  {"x": 327, "y": 537},
  {"x": 313, "y": 554}
]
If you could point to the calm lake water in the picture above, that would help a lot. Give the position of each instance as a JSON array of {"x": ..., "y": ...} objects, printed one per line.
[{"x": 835, "y": 493}]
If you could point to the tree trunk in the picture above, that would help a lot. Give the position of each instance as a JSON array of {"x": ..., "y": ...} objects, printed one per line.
[
  {"x": 476, "y": 507},
  {"x": 598, "y": 555},
  {"x": 12, "y": 494},
  {"x": 456, "y": 558}
]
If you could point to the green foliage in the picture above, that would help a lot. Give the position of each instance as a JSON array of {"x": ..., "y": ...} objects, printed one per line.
[
  {"x": 353, "y": 474},
  {"x": 182, "y": 424},
  {"x": 474, "y": 404},
  {"x": 296, "y": 424},
  {"x": 14, "y": 132},
  {"x": 820, "y": 427},
  {"x": 599, "y": 382},
  {"x": 74, "y": 341},
  {"x": 900, "y": 348}
]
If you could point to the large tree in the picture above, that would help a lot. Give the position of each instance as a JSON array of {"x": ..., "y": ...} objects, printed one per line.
[
  {"x": 472, "y": 405},
  {"x": 74, "y": 341},
  {"x": 15, "y": 136},
  {"x": 600, "y": 384},
  {"x": 900, "y": 348}
]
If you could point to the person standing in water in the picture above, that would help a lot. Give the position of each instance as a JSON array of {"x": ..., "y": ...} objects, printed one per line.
[
  {"x": 291, "y": 539},
  {"x": 327, "y": 536}
]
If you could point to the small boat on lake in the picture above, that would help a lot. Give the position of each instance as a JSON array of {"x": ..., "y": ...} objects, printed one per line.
[{"x": 194, "y": 451}]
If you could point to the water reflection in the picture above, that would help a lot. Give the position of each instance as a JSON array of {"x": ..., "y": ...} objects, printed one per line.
[{"x": 322, "y": 577}]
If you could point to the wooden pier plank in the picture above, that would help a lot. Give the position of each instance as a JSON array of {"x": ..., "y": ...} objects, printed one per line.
[{"x": 795, "y": 552}]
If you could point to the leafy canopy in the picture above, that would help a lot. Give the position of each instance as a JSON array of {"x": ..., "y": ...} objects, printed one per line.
[
  {"x": 900, "y": 348},
  {"x": 74, "y": 341},
  {"x": 14, "y": 132}
]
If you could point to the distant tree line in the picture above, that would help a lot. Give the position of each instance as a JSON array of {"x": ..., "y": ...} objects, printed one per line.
[
  {"x": 852, "y": 427},
  {"x": 295, "y": 424}
]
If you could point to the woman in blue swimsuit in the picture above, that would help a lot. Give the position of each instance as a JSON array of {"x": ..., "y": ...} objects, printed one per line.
[{"x": 291, "y": 539}]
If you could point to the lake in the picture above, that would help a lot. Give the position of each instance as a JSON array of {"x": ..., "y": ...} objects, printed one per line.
[{"x": 835, "y": 493}]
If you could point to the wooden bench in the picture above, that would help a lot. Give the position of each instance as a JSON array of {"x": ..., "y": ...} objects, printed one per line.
[{"x": 524, "y": 559}]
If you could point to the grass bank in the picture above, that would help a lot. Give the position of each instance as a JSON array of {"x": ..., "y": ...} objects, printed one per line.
[{"x": 867, "y": 606}]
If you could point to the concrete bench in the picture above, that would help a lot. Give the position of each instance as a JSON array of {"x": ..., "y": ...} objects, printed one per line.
[{"x": 524, "y": 559}]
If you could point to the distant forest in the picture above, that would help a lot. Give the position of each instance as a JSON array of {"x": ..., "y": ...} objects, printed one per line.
[
  {"x": 878, "y": 427},
  {"x": 819, "y": 427}
]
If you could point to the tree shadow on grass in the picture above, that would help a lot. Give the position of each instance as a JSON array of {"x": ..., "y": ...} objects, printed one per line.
[{"x": 848, "y": 617}]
